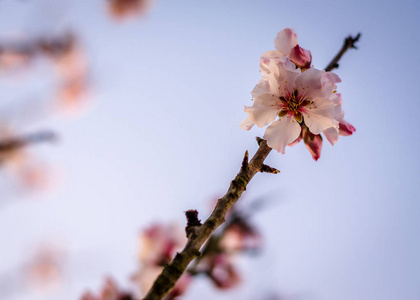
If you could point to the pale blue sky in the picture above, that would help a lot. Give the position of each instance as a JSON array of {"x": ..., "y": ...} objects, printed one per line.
[{"x": 163, "y": 137}]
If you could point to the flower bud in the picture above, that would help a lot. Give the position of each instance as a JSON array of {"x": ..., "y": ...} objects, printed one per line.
[{"x": 301, "y": 57}]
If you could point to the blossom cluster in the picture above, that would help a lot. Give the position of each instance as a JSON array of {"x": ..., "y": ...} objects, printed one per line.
[
  {"x": 159, "y": 244},
  {"x": 296, "y": 100}
]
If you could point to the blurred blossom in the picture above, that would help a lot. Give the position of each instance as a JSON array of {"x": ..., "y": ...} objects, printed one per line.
[
  {"x": 45, "y": 271},
  {"x": 240, "y": 236},
  {"x": 123, "y": 9},
  {"x": 22, "y": 51},
  {"x": 30, "y": 172},
  {"x": 13, "y": 61},
  {"x": 158, "y": 245},
  {"x": 110, "y": 291},
  {"x": 218, "y": 259},
  {"x": 221, "y": 270},
  {"x": 72, "y": 70}
]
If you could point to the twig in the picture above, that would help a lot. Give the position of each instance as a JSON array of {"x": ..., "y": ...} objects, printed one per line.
[
  {"x": 23, "y": 141},
  {"x": 201, "y": 233},
  {"x": 349, "y": 43}
]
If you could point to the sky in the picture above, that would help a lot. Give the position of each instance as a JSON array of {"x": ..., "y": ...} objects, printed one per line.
[{"x": 161, "y": 135}]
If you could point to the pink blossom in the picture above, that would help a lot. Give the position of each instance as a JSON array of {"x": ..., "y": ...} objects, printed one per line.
[
  {"x": 286, "y": 99},
  {"x": 344, "y": 127}
]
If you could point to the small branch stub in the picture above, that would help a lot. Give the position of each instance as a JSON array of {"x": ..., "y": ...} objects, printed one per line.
[
  {"x": 349, "y": 43},
  {"x": 192, "y": 218},
  {"x": 192, "y": 222},
  {"x": 259, "y": 140},
  {"x": 268, "y": 169},
  {"x": 245, "y": 162}
]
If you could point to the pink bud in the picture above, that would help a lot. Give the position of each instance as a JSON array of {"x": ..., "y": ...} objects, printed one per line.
[
  {"x": 345, "y": 128},
  {"x": 312, "y": 142},
  {"x": 301, "y": 57}
]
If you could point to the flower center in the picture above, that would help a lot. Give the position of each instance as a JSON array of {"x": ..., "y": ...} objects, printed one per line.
[{"x": 293, "y": 104}]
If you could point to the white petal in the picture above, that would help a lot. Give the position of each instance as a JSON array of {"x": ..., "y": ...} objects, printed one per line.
[
  {"x": 328, "y": 82},
  {"x": 319, "y": 115},
  {"x": 331, "y": 134},
  {"x": 282, "y": 132},
  {"x": 286, "y": 73},
  {"x": 265, "y": 60},
  {"x": 246, "y": 124},
  {"x": 309, "y": 83},
  {"x": 270, "y": 55},
  {"x": 261, "y": 88},
  {"x": 264, "y": 110},
  {"x": 337, "y": 102},
  {"x": 285, "y": 40}
]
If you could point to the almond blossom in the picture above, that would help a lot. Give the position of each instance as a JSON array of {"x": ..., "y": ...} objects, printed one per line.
[
  {"x": 296, "y": 100},
  {"x": 294, "y": 97}
]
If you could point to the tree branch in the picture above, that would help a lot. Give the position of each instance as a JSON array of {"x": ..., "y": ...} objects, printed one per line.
[
  {"x": 199, "y": 234},
  {"x": 349, "y": 43}
]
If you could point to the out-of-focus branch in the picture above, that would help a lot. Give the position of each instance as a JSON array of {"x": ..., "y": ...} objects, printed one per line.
[
  {"x": 349, "y": 43},
  {"x": 15, "y": 143},
  {"x": 53, "y": 46},
  {"x": 198, "y": 234}
]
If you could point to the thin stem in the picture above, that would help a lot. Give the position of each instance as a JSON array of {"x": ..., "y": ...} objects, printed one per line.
[{"x": 349, "y": 43}]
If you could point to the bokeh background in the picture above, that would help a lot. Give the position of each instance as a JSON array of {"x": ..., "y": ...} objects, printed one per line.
[{"x": 160, "y": 135}]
